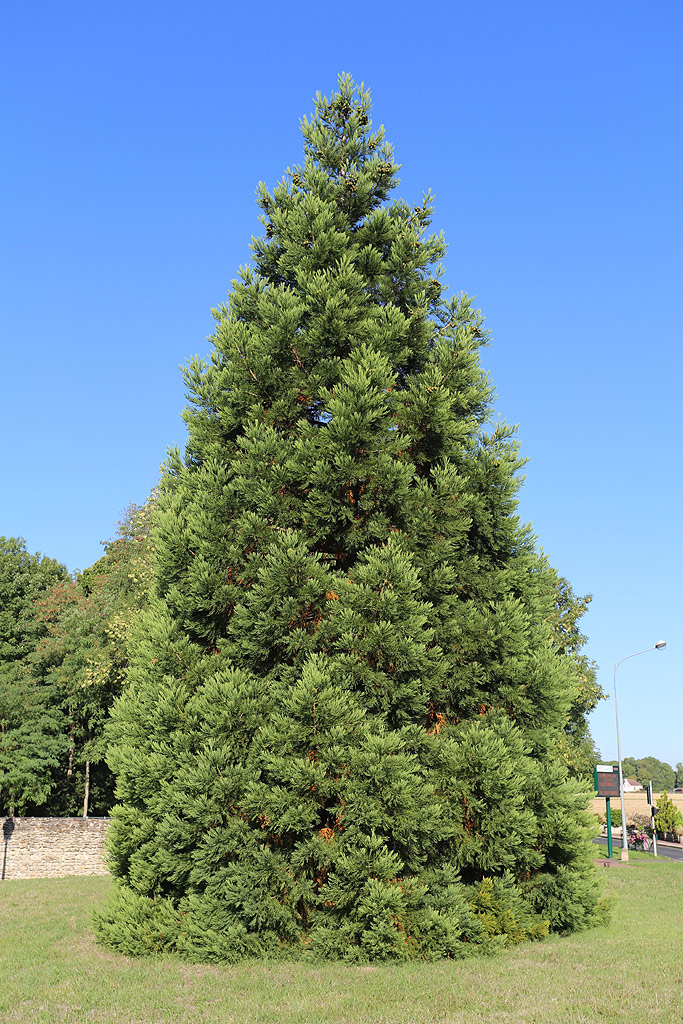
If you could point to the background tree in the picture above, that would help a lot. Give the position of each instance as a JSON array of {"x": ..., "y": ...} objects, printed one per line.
[
  {"x": 29, "y": 725},
  {"x": 644, "y": 769},
  {"x": 340, "y": 731},
  {"x": 83, "y": 657},
  {"x": 576, "y": 745},
  {"x": 629, "y": 766},
  {"x": 661, "y": 773},
  {"x": 64, "y": 659}
]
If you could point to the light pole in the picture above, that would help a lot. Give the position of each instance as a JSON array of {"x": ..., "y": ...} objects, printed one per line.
[{"x": 660, "y": 645}]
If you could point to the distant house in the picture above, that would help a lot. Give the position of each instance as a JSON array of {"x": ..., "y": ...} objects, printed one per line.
[{"x": 631, "y": 786}]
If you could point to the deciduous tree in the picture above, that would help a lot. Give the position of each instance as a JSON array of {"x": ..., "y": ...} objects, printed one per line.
[
  {"x": 83, "y": 657},
  {"x": 30, "y": 741},
  {"x": 576, "y": 745}
]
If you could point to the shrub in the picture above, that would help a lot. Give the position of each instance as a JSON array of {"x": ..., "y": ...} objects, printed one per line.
[{"x": 669, "y": 818}]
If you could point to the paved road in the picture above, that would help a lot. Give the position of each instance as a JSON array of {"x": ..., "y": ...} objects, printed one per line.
[{"x": 670, "y": 852}]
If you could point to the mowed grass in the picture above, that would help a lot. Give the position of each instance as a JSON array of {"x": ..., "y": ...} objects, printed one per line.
[{"x": 51, "y": 970}]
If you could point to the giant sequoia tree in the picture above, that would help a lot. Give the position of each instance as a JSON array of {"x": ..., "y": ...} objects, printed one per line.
[{"x": 339, "y": 734}]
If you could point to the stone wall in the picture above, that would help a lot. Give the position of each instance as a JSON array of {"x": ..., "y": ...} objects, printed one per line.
[{"x": 52, "y": 847}]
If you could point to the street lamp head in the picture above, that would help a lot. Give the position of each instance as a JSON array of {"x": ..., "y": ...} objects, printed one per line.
[{"x": 660, "y": 645}]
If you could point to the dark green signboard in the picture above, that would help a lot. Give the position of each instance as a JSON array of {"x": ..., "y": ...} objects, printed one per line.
[
  {"x": 607, "y": 782},
  {"x": 606, "y": 778}
]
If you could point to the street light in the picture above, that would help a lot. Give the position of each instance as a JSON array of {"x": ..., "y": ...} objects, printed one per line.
[{"x": 659, "y": 646}]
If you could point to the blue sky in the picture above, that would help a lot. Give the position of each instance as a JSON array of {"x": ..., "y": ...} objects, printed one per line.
[{"x": 134, "y": 136}]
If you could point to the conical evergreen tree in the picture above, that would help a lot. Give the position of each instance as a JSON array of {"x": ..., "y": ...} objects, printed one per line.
[{"x": 338, "y": 736}]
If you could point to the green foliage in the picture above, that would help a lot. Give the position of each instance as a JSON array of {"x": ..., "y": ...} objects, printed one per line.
[
  {"x": 576, "y": 746},
  {"x": 84, "y": 657},
  {"x": 23, "y": 577},
  {"x": 615, "y": 815},
  {"x": 669, "y": 818},
  {"x": 502, "y": 909},
  {"x": 64, "y": 661},
  {"x": 340, "y": 734},
  {"x": 30, "y": 742},
  {"x": 645, "y": 768},
  {"x": 661, "y": 773}
]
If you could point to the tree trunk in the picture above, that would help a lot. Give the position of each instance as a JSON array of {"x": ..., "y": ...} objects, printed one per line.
[
  {"x": 87, "y": 789},
  {"x": 70, "y": 769}
]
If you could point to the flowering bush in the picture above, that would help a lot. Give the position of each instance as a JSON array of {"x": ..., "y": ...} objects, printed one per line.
[{"x": 638, "y": 838}]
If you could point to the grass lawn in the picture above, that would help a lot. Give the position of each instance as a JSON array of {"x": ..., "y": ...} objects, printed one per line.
[{"x": 52, "y": 971}]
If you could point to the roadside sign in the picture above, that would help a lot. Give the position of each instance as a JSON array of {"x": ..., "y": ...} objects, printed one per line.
[{"x": 607, "y": 780}]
